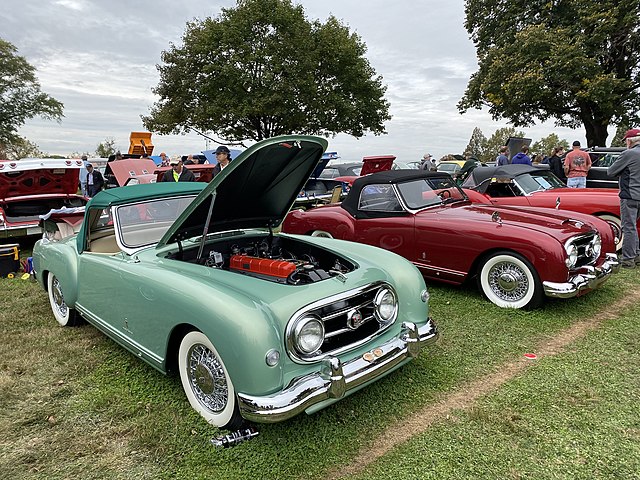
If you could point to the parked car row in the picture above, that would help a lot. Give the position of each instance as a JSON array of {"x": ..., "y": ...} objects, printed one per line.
[{"x": 267, "y": 324}]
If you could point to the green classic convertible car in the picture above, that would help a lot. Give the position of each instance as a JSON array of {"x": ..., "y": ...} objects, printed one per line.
[{"x": 191, "y": 277}]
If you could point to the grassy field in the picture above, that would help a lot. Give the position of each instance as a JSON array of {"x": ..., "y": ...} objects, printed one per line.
[{"x": 75, "y": 405}]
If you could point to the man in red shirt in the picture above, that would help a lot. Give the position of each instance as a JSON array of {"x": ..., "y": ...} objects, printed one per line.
[{"x": 576, "y": 166}]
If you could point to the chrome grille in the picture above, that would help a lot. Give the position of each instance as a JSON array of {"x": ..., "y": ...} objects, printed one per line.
[
  {"x": 337, "y": 314},
  {"x": 583, "y": 244}
]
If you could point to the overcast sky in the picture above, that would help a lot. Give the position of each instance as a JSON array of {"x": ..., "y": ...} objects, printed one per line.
[{"x": 99, "y": 58}]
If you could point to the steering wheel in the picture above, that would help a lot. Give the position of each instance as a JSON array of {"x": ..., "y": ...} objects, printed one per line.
[{"x": 444, "y": 194}]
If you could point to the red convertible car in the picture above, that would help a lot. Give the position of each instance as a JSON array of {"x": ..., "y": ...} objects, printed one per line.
[
  {"x": 518, "y": 255},
  {"x": 528, "y": 186}
]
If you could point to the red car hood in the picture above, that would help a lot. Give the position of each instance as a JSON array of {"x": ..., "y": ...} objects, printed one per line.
[
  {"x": 377, "y": 163},
  {"x": 372, "y": 164},
  {"x": 558, "y": 224},
  {"x": 128, "y": 168},
  {"x": 38, "y": 176}
]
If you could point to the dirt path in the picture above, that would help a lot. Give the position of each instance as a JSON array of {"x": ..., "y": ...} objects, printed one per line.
[{"x": 467, "y": 395}]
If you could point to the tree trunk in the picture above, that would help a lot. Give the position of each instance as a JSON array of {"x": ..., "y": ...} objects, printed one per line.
[{"x": 596, "y": 133}]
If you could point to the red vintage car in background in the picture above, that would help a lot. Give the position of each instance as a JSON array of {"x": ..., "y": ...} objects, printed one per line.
[
  {"x": 529, "y": 186},
  {"x": 518, "y": 255},
  {"x": 32, "y": 187},
  {"x": 370, "y": 164}
]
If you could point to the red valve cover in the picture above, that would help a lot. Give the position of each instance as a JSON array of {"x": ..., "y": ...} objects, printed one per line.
[{"x": 262, "y": 266}]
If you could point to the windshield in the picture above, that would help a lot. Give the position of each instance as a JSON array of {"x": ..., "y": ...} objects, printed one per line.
[
  {"x": 537, "y": 181},
  {"x": 145, "y": 223},
  {"x": 448, "y": 167},
  {"x": 427, "y": 192}
]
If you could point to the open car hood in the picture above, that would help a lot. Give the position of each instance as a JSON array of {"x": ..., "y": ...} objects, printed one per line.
[
  {"x": 255, "y": 190},
  {"x": 38, "y": 176},
  {"x": 376, "y": 163},
  {"x": 128, "y": 168}
]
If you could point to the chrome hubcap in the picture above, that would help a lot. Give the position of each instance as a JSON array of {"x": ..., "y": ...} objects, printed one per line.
[
  {"x": 58, "y": 298},
  {"x": 508, "y": 281},
  {"x": 207, "y": 378}
]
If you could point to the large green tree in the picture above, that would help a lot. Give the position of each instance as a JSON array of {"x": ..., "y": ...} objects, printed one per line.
[
  {"x": 571, "y": 61},
  {"x": 20, "y": 95},
  {"x": 262, "y": 69}
]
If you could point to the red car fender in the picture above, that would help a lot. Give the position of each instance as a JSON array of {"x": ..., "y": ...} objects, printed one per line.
[{"x": 330, "y": 219}]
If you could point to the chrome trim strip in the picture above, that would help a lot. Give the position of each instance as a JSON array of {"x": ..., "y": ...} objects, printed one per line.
[
  {"x": 336, "y": 379},
  {"x": 438, "y": 269},
  {"x": 589, "y": 278}
]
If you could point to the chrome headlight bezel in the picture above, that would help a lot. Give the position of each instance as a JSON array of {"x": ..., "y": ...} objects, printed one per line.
[
  {"x": 572, "y": 255},
  {"x": 596, "y": 247},
  {"x": 386, "y": 305},
  {"x": 304, "y": 330}
]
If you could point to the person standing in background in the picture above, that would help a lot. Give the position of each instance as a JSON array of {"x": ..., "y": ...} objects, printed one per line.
[
  {"x": 521, "y": 158},
  {"x": 627, "y": 168},
  {"x": 94, "y": 181},
  {"x": 555, "y": 162},
  {"x": 576, "y": 166},
  {"x": 503, "y": 156},
  {"x": 178, "y": 172},
  {"x": 223, "y": 156}
]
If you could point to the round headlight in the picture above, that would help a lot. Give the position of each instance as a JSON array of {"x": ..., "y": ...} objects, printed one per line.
[
  {"x": 596, "y": 246},
  {"x": 308, "y": 334},
  {"x": 572, "y": 255},
  {"x": 386, "y": 305}
]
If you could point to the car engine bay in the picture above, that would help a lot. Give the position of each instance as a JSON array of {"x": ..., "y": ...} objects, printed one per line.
[{"x": 272, "y": 258}]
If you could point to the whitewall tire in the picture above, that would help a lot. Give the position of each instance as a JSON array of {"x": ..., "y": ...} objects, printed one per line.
[
  {"x": 65, "y": 316},
  {"x": 321, "y": 233},
  {"x": 510, "y": 281},
  {"x": 206, "y": 382},
  {"x": 616, "y": 224}
]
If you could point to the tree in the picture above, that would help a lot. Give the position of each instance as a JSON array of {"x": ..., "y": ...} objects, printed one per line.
[
  {"x": 572, "y": 61},
  {"x": 497, "y": 140},
  {"x": 476, "y": 144},
  {"x": 19, "y": 148},
  {"x": 106, "y": 148},
  {"x": 20, "y": 95},
  {"x": 546, "y": 144},
  {"x": 617, "y": 140},
  {"x": 262, "y": 69}
]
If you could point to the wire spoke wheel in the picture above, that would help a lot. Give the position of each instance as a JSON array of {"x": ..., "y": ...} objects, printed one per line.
[
  {"x": 206, "y": 381},
  {"x": 510, "y": 281}
]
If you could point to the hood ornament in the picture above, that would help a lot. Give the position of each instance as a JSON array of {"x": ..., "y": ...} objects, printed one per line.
[
  {"x": 495, "y": 217},
  {"x": 557, "y": 203}
]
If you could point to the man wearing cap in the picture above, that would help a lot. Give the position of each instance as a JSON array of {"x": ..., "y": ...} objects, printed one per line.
[
  {"x": 94, "y": 181},
  {"x": 428, "y": 163},
  {"x": 627, "y": 168},
  {"x": 223, "y": 156},
  {"x": 576, "y": 166},
  {"x": 178, "y": 172}
]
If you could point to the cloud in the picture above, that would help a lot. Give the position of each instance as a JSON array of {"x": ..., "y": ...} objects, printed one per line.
[{"x": 99, "y": 59}]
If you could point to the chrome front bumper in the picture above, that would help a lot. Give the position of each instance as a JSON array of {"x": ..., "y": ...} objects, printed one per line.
[
  {"x": 591, "y": 278},
  {"x": 336, "y": 379}
]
